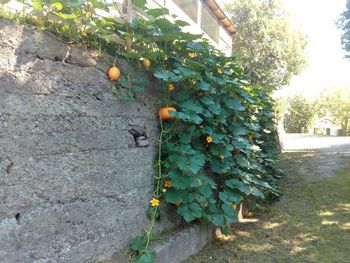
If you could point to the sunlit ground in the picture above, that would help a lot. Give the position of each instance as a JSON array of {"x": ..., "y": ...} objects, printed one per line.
[{"x": 311, "y": 222}]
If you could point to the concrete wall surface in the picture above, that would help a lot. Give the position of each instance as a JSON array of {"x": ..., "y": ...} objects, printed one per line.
[{"x": 73, "y": 185}]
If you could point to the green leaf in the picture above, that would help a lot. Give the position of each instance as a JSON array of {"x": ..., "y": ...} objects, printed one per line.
[
  {"x": 138, "y": 243},
  {"x": 242, "y": 162},
  {"x": 187, "y": 134},
  {"x": 157, "y": 12},
  {"x": 256, "y": 192},
  {"x": 191, "y": 106},
  {"x": 173, "y": 196},
  {"x": 167, "y": 76},
  {"x": 147, "y": 256},
  {"x": 186, "y": 72},
  {"x": 180, "y": 181},
  {"x": 229, "y": 197},
  {"x": 220, "y": 167},
  {"x": 237, "y": 130},
  {"x": 230, "y": 213},
  {"x": 206, "y": 190},
  {"x": 190, "y": 211},
  {"x": 203, "y": 86},
  {"x": 195, "y": 46},
  {"x": 189, "y": 163},
  {"x": 181, "y": 23},
  {"x": 195, "y": 65},
  {"x": 139, "y": 3},
  {"x": 166, "y": 26},
  {"x": 234, "y": 104},
  {"x": 218, "y": 220},
  {"x": 236, "y": 184}
]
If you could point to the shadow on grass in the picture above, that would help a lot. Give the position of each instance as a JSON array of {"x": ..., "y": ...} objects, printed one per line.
[{"x": 311, "y": 222}]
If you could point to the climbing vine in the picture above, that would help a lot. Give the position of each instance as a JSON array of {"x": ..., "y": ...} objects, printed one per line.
[{"x": 217, "y": 145}]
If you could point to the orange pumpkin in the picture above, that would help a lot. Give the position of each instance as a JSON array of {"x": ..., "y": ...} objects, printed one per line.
[{"x": 164, "y": 113}]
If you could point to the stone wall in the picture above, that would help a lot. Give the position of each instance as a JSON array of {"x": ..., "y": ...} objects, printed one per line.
[{"x": 73, "y": 186}]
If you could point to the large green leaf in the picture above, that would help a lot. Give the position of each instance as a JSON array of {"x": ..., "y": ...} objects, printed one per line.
[
  {"x": 218, "y": 220},
  {"x": 190, "y": 211},
  {"x": 230, "y": 197},
  {"x": 138, "y": 243},
  {"x": 147, "y": 256},
  {"x": 236, "y": 184},
  {"x": 230, "y": 213}
]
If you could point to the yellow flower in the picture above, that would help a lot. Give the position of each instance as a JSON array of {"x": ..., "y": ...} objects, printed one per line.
[
  {"x": 171, "y": 87},
  {"x": 234, "y": 206},
  {"x": 209, "y": 139},
  {"x": 154, "y": 202},
  {"x": 222, "y": 157},
  {"x": 167, "y": 183},
  {"x": 219, "y": 70},
  {"x": 192, "y": 55},
  {"x": 201, "y": 127},
  {"x": 164, "y": 190}
]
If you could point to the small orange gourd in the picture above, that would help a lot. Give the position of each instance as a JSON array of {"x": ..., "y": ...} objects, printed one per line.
[
  {"x": 146, "y": 63},
  {"x": 113, "y": 73},
  {"x": 164, "y": 113}
]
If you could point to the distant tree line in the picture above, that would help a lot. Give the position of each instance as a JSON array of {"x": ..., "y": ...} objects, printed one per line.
[{"x": 299, "y": 113}]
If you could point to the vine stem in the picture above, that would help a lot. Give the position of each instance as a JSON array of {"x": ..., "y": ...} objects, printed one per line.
[{"x": 159, "y": 177}]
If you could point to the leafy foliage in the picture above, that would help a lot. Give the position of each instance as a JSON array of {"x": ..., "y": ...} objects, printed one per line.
[
  {"x": 269, "y": 47},
  {"x": 220, "y": 149},
  {"x": 300, "y": 114},
  {"x": 344, "y": 25}
]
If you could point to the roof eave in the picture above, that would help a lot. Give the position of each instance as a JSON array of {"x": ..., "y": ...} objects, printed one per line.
[{"x": 221, "y": 16}]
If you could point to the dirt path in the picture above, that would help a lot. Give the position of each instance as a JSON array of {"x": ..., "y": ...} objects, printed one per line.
[{"x": 311, "y": 222}]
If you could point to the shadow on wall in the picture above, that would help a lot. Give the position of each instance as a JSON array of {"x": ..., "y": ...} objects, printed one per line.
[{"x": 72, "y": 182}]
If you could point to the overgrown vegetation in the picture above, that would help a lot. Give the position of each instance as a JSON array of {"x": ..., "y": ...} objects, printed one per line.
[
  {"x": 310, "y": 224},
  {"x": 220, "y": 148}
]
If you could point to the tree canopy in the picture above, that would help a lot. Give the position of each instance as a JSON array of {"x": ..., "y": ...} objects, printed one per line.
[
  {"x": 344, "y": 25},
  {"x": 268, "y": 46},
  {"x": 300, "y": 114}
]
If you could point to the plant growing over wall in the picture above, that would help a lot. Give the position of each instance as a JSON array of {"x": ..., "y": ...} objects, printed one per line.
[{"x": 217, "y": 148}]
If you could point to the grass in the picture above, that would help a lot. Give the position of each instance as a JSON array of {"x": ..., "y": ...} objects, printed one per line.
[{"x": 311, "y": 223}]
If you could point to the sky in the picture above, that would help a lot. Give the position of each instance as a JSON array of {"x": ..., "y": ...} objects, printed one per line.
[{"x": 326, "y": 65}]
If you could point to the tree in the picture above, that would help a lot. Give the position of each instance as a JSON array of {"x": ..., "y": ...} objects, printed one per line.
[
  {"x": 336, "y": 101},
  {"x": 344, "y": 25},
  {"x": 269, "y": 48},
  {"x": 300, "y": 114}
]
